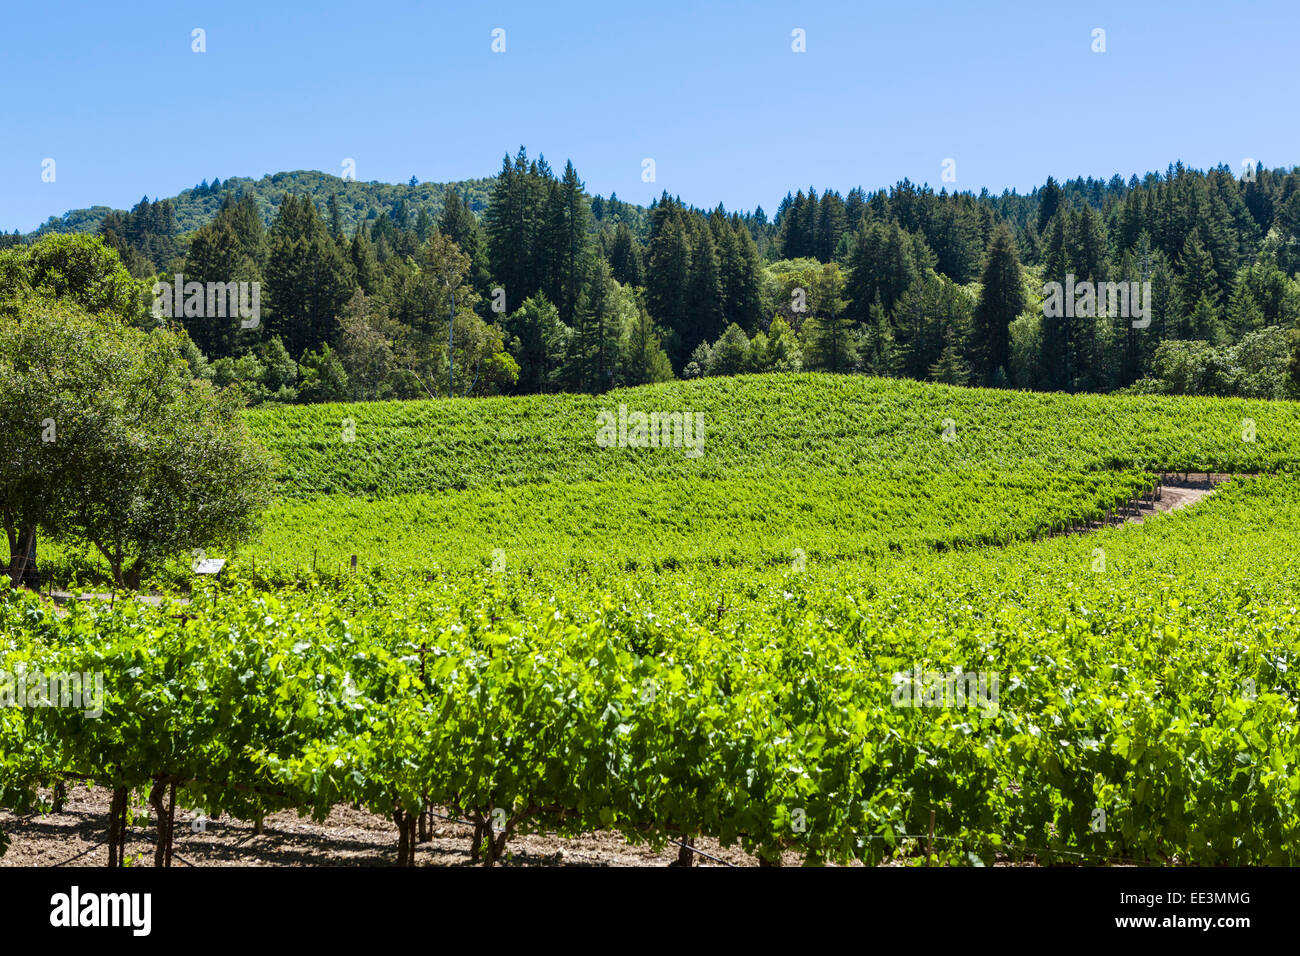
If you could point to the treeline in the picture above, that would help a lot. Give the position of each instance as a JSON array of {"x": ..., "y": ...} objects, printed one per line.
[
  {"x": 555, "y": 290},
  {"x": 368, "y": 315}
]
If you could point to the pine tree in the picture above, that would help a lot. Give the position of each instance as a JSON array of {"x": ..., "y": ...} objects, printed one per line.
[
  {"x": 879, "y": 356},
  {"x": 513, "y": 222},
  {"x": 1204, "y": 324},
  {"x": 829, "y": 342},
  {"x": 883, "y": 262},
  {"x": 1196, "y": 280},
  {"x": 364, "y": 264},
  {"x": 1244, "y": 313},
  {"x": 459, "y": 224},
  {"x": 1049, "y": 200},
  {"x": 643, "y": 360},
  {"x": 625, "y": 257},
  {"x": 746, "y": 282},
  {"x": 246, "y": 220},
  {"x": 832, "y": 223},
  {"x": 597, "y": 330},
  {"x": 1088, "y": 246},
  {"x": 667, "y": 278},
  {"x": 216, "y": 255},
  {"x": 951, "y": 368},
  {"x": 336, "y": 219},
  {"x": 958, "y": 245},
  {"x": 424, "y": 225},
  {"x": 570, "y": 229},
  {"x": 793, "y": 238},
  {"x": 308, "y": 278},
  {"x": 1056, "y": 364},
  {"x": 1002, "y": 298},
  {"x": 540, "y": 344},
  {"x": 1087, "y": 338},
  {"x": 739, "y": 269},
  {"x": 704, "y": 314},
  {"x": 807, "y": 225}
]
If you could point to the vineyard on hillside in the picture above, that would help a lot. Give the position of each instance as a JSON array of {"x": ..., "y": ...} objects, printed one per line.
[
  {"x": 668, "y": 647},
  {"x": 767, "y": 423}
]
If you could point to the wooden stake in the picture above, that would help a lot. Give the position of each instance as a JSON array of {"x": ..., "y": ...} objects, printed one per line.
[{"x": 929, "y": 844}]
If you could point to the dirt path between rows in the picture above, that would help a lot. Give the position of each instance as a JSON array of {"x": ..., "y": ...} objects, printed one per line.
[{"x": 1178, "y": 493}]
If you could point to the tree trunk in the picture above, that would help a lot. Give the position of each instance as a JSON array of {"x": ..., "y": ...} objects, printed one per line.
[
  {"x": 22, "y": 560},
  {"x": 115, "y": 568}
]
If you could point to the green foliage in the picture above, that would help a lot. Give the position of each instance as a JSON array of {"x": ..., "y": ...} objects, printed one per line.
[
  {"x": 323, "y": 378},
  {"x": 106, "y": 439},
  {"x": 753, "y": 520},
  {"x": 358, "y": 202},
  {"x": 1220, "y": 254},
  {"x": 77, "y": 268},
  {"x": 1002, "y": 299},
  {"x": 757, "y": 708},
  {"x": 766, "y": 423},
  {"x": 1256, "y": 367}
]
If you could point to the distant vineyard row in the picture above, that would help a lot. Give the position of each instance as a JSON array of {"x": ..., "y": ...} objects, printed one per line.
[
  {"x": 757, "y": 520},
  {"x": 785, "y": 423}
]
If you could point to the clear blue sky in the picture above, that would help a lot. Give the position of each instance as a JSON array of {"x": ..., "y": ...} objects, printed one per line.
[{"x": 711, "y": 90}]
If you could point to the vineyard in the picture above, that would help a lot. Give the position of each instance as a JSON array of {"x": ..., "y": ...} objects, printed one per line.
[
  {"x": 766, "y": 424},
  {"x": 759, "y": 520},
  {"x": 546, "y": 635}
]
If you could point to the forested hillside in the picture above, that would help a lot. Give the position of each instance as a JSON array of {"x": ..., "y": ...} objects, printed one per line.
[
  {"x": 555, "y": 290},
  {"x": 178, "y": 216}
]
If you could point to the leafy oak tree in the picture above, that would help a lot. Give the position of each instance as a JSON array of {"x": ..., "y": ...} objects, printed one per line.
[{"x": 108, "y": 440}]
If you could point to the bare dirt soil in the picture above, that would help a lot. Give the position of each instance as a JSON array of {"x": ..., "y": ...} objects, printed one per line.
[
  {"x": 1179, "y": 493},
  {"x": 77, "y": 837}
]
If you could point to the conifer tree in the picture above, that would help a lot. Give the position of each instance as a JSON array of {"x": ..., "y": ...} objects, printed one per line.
[
  {"x": 336, "y": 219},
  {"x": 1049, "y": 200},
  {"x": 879, "y": 355},
  {"x": 308, "y": 276},
  {"x": 667, "y": 283},
  {"x": 625, "y": 257},
  {"x": 643, "y": 360},
  {"x": 1002, "y": 298},
  {"x": 950, "y": 368},
  {"x": 829, "y": 342},
  {"x": 704, "y": 304},
  {"x": 364, "y": 264}
]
